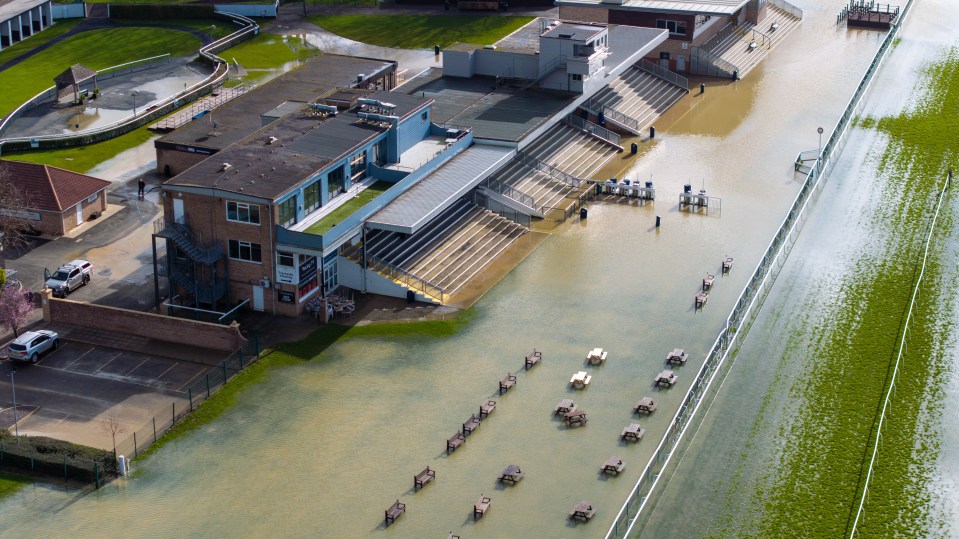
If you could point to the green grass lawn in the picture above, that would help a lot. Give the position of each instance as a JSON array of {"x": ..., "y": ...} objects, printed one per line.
[
  {"x": 83, "y": 158},
  {"x": 27, "y": 45},
  {"x": 269, "y": 51},
  {"x": 10, "y": 484},
  {"x": 96, "y": 50},
  {"x": 339, "y": 214},
  {"x": 223, "y": 28},
  {"x": 420, "y": 31}
]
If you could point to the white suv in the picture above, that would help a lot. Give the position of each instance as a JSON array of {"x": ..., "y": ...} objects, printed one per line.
[
  {"x": 70, "y": 277},
  {"x": 31, "y": 344}
]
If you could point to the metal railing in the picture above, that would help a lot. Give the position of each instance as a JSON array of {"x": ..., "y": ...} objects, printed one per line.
[
  {"x": 597, "y": 131},
  {"x": 720, "y": 36},
  {"x": 663, "y": 73},
  {"x": 787, "y": 7},
  {"x": 201, "y": 390},
  {"x": 191, "y": 242},
  {"x": 220, "y": 74},
  {"x": 511, "y": 192},
  {"x": 542, "y": 166},
  {"x": 701, "y": 60},
  {"x": 744, "y": 311},
  {"x": 755, "y": 35},
  {"x": 406, "y": 278}
]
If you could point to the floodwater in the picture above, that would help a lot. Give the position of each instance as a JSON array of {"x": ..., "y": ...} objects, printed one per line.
[
  {"x": 733, "y": 455},
  {"x": 321, "y": 449}
]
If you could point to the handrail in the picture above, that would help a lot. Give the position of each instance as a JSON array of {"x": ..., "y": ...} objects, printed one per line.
[
  {"x": 663, "y": 73},
  {"x": 763, "y": 40},
  {"x": 595, "y": 130},
  {"x": 220, "y": 73},
  {"x": 721, "y": 35},
  {"x": 749, "y": 299},
  {"x": 543, "y": 166},
  {"x": 511, "y": 192},
  {"x": 627, "y": 121},
  {"x": 724, "y": 66},
  {"x": 406, "y": 278}
]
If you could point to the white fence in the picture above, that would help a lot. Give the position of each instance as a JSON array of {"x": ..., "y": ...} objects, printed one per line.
[{"x": 748, "y": 304}]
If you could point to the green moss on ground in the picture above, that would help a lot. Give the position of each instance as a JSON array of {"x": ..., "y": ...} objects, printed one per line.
[
  {"x": 96, "y": 50},
  {"x": 11, "y": 484},
  {"x": 420, "y": 31},
  {"x": 822, "y": 473},
  {"x": 84, "y": 158},
  {"x": 295, "y": 353}
]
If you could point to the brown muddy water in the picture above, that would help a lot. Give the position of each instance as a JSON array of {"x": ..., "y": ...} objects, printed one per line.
[{"x": 321, "y": 449}]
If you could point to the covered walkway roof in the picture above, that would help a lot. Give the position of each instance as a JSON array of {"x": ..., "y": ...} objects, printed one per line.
[{"x": 437, "y": 191}]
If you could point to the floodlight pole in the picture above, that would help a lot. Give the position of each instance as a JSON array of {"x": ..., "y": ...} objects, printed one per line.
[
  {"x": 16, "y": 418},
  {"x": 135, "y": 94}
]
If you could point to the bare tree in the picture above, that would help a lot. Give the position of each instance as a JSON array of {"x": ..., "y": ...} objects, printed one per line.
[
  {"x": 112, "y": 425},
  {"x": 14, "y": 205},
  {"x": 15, "y": 308}
]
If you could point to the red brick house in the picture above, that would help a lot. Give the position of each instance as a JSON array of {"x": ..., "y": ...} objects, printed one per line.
[{"x": 57, "y": 200}]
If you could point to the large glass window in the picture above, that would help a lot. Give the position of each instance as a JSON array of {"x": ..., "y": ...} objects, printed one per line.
[
  {"x": 358, "y": 167},
  {"x": 674, "y": 27},
  {"x": 336, "y": 182},
  {"x": 379, "y": 151},
  {"x": 241, "y": 212},
  {"x": 311, "y": 197},
  {"x": 285, "y": 259},
  {"x": 246, "y": 251},
  {"x": 288, "y": 211}
]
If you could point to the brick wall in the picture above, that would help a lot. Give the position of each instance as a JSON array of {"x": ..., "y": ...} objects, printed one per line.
[
  {"x": 584, "y": 14},
  {"x": 152, "y": 326},
  {"x": 178, "y": 161}
]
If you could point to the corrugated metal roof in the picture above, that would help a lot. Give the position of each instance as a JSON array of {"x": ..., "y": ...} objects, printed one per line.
[
  {"x": 709, "y": 7},
  {"x": 15, "y": 7},
  {"x": 442, "y": 187}
]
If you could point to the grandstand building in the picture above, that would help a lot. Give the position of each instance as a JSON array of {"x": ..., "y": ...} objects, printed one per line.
[{"x": 462, "y": 160}]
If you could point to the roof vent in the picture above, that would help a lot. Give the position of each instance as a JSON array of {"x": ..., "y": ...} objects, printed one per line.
[
  {"x": 225, "y": 167},
  {"x": 490, "y": 47},
  {"x": 272, "y": 140}
]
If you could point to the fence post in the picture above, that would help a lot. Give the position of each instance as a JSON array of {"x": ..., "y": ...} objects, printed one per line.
[
  {"x": 136, "y": 452},
  {"x": 154, "y": 429},
  {"x": 189, "y": 392},
  {"x": 224, "y": 371},
  {"x": 208, "y": 385},
  {"x": 64, "y": 467},
  {"x": 173, "y": 421}
]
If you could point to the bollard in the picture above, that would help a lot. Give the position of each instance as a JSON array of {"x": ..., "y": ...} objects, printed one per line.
[
  {"x": 634, "y": 148},
  {"x": 436, "y": 50},
  {"x": 702, "y": 88},
  {"x": 658, "y": 219},
  {"x": 652, "y": 132},
  {"x": 736, "y": 74},
  {"x": 122, "y": 465}
]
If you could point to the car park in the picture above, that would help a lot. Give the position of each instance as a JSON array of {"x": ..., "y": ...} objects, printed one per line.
[
  {"x": 69, "y": 277},
  {"x": 30, "y": 345}
]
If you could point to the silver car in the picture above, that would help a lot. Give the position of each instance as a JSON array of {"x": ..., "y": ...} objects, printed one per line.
[{"x": 31, "y": 344}]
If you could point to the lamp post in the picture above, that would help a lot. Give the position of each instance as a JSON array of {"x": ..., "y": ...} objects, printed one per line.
[
  {"x": 134, "y": 93},
  {"x": 820, "y": 140},
  {"x": 212, "y": 29},
  {"x": 16, "y": 419}
]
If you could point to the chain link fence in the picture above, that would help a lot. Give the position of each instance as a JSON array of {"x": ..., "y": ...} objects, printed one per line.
[{"x": 55, "y": 459}]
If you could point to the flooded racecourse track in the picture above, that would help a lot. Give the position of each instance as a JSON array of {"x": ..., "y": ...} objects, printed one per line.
[{"x": 322, "y": 448}]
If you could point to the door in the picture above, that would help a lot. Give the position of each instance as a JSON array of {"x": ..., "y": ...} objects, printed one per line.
[
  {"x": 178, "y": 210},
  {"x": 79, "y": 213},
  {"x": 680, "y": 63},
  {"x": 257, "y": 298},
  {"x": 664, "y": 60}
]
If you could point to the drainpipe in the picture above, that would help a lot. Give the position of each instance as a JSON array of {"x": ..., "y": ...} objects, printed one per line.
[
  {"x": 272, "y": 252},
  {"x": 364, "y": 258}
]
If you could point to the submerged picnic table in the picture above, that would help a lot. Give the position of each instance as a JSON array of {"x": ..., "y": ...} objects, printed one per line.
[
  {"x": 582, "y": 511},
  {"x": 645, "y": 406},
  {"x": 613, "y": 465},
  {"x": 564, "y": 406},
  {"x": 666, "y": 378},
  {"x": 511, "y": 474},
  {"x": 481, "y": 506},
  {"x": 677, "y": 357},
  {"x": 633, "y": 433},
  {"x": 507, "y": 382},
  {"x": 575, "y": 418},
  {"x": 533, "y": 359}
]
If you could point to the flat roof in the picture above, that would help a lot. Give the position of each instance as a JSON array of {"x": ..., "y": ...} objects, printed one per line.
[
  {"x": 304, "y": 144},
  {"x": 240, "y": 117},
  {"x": 525, "y": 38},
  {"x": 12, "y": 8},
  {"x": 579, "y": 32},
  {"x": 709, "y": 7},
  {"x": 492, "y": 114},
  {"x": 441, "y": 188}
]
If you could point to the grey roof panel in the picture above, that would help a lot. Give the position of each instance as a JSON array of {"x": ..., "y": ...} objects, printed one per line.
[
  {"x": 712, "y": 7},
  {"x": 439, "y": 189}
]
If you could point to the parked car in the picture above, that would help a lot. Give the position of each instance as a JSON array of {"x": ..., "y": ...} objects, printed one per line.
[
  {"x": 31, "y": 344},
  {"x": 69, "y": 277}
]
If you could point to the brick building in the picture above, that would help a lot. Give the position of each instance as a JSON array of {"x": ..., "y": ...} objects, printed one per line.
[{"x": 57, "y": 200}]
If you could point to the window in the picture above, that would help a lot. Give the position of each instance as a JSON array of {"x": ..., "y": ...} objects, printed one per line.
[
  {"x": 311, "y": 197},
  {"x": 358, "y": 167},
  {"x": 285, "y": 259},
  {"x": 335, "y": 182},
  {"x": 424, "y": 116},
  {"x": 577, "y": 77},
  {"x": 244, "y": 250},
  {"x": 379, "y": 152},
  {"x": 674, "y": 27},
  {"x": 241, "y": 212},
  {"x": 288, "y": 211}
]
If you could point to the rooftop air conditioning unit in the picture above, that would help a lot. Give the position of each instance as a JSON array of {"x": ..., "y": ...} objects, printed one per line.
[
  {"x": 271, "y": 140},
  {"x": 360, "y": 78},
  {"x": 225, "y": 167}
]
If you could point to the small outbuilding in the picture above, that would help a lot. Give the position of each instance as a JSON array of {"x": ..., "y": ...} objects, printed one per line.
[
  {"x": 57, "y": 200},
  {"x": 72, "y": 79}
]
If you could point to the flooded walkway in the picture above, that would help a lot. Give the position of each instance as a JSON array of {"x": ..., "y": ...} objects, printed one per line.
[{"x": 366, "y": 415}]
